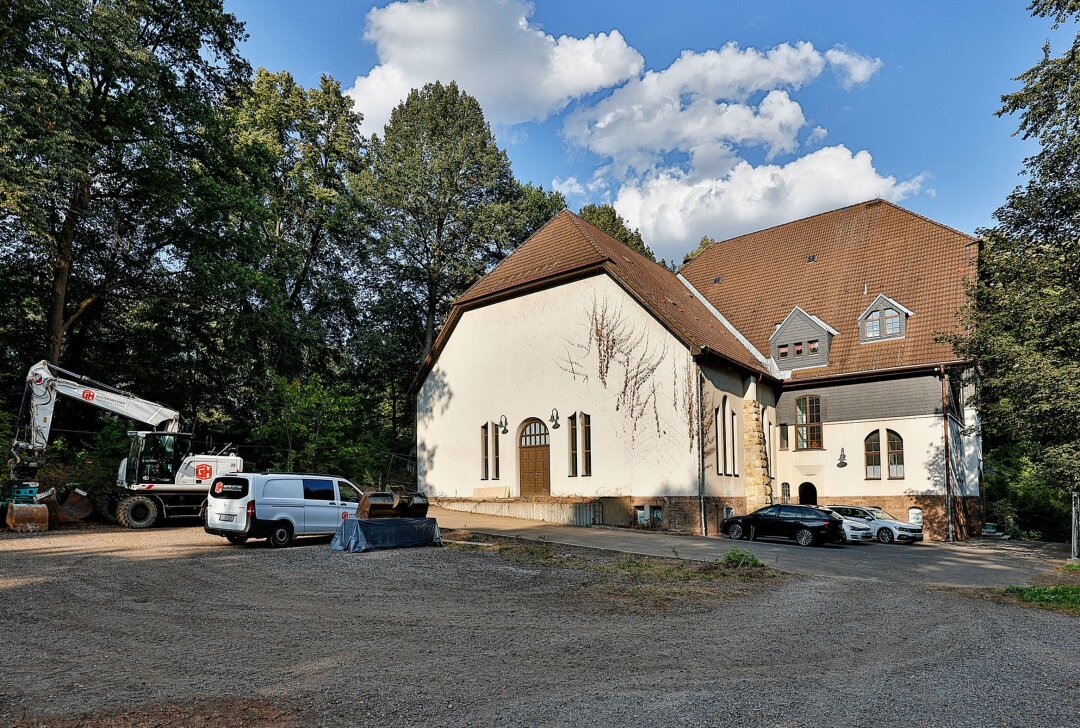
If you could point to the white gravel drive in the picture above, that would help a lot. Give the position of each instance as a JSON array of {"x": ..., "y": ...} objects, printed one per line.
[{"x": 109, "y": 627}]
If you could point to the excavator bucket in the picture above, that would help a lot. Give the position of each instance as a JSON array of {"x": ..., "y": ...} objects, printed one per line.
[
  {"x": 27, "y": 517},
  {"x": 78, "y": 506}
]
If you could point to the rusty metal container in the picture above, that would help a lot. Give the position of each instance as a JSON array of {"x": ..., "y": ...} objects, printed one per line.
[
  {"x": 377, "y": 504},
  {"x": 26, "y": 517}
]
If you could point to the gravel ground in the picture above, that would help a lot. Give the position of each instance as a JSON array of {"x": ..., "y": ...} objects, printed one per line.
[{"x": 171, "y": 626}]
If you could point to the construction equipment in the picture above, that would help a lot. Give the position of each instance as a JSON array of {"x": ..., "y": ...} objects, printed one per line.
[{"x": 160, "y": 477}]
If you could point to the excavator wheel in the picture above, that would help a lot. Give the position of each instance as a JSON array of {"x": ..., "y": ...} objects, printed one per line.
[
  {"x": 137, "y": 511},
  {"x": 105, "y": 507}
]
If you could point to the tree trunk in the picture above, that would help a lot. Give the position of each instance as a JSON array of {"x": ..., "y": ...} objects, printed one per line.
[
  {"x": 429, "y": 325},
  {"x": 65, "y": 246}
]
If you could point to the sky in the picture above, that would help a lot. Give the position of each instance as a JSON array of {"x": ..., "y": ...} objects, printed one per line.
[{"x": 702, "y": 117}]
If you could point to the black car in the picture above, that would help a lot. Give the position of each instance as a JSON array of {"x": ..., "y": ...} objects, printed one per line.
[{"x": 809, "y": 525}]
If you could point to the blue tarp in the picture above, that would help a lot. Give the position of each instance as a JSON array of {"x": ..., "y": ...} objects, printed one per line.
[{"x": 366, "y": 534}]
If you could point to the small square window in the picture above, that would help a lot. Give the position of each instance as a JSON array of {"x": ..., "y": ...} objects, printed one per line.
[
  {"x": 782, "y": 351},
  {"x": 812, "y": 346},
  {"x": 798, "y": 349}
]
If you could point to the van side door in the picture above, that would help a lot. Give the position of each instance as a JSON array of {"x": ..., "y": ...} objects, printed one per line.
[
  {"x": 281, "y": 499},
  {"x": 320, "y": 506}
]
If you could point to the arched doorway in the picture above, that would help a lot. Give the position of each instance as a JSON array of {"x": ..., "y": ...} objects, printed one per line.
[
  {"x": 808, "y": 494},
  {"x": 534, "y": 459}
]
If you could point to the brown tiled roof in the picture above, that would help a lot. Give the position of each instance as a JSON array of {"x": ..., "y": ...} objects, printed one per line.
[
  {"x": 859, "y": 252},
  {"x": 567, "y": 245}
]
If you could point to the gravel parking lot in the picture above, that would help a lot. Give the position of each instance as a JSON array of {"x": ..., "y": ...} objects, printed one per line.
[{"x": 123, "y": 628}]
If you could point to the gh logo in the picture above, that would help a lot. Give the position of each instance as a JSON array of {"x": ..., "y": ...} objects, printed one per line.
[
  {"x": 88, "y": 395},
  {"x": 203, "y": 471}
]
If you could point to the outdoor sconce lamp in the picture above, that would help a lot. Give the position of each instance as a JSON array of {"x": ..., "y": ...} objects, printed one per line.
[
  {"x": 843, "y": 459},
  {"x": 554, "y": 419},
  {"x": 502, "y": 424}
]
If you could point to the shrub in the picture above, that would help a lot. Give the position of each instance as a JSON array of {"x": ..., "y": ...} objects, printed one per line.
[{"x": 740, "y": 558}]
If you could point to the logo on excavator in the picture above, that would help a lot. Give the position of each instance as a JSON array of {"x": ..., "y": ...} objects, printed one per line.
[
  {"x": 204, "y": 471},
  {"x": 88, "y": 395}
]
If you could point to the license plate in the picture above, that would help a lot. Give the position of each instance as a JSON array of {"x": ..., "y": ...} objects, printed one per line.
[{"x": 226, "y": 517}]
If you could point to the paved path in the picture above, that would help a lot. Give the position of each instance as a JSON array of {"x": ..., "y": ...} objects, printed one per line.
[{"x": 970, "y": 564}]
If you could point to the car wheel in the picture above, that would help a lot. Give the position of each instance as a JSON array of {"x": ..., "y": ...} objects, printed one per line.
[
  {"x": 735, "y": 531},
  {"x": 885, "y": 535},
  {"x": 281, "y": 536},
  {"x": 236, "y": 540},
  {"x": 804, "y": 537}
]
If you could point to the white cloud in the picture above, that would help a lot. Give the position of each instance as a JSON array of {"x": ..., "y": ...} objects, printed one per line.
[
  {"x": 854, "y": 69},
  {"x": 569, "y": 187},
  {"x": 517, "y": 72},
  {"x": 817, "y": 134},
  {"x": 673, "y": 209}
]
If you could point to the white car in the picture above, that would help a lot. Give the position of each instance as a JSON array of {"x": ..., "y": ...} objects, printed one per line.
[
  {"x": 856, "y": 531},
  {"x": 278, "y": 506},
  {"x": 885, "y": 528}
]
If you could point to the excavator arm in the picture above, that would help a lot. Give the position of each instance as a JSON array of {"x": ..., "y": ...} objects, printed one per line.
[{"x": 45, "y": 382}]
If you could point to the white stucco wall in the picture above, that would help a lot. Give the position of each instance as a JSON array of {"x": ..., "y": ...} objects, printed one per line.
[
  {"x": 512, "y": 358},
  {"x": 924, "y": 460}
]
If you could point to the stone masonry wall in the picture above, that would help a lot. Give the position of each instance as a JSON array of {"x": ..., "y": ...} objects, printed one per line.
[{"x": 757, "y": 485}]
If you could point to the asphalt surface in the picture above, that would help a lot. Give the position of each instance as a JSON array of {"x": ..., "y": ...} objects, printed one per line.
[
  {"x": 976, "y": 563},
  {"x": 175, "y": 627}
]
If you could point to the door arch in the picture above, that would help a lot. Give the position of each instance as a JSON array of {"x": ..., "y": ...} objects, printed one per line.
[
  {"x": 534, "y": 459},
  {"x": 808, "y": 494}
]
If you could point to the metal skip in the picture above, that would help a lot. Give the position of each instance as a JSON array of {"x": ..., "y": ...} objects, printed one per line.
[{"x": 27, "y": 517}]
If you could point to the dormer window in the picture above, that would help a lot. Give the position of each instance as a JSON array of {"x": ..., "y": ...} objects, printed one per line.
[
  {"x": 883, "y": 319},
  {"x": 782, "y": 350},
  {"x": 798, "y": 349},
  {"x": 873, "y": 325},
  {"x": 801, "y": 341},
  {"x": 812, "y": 347}
]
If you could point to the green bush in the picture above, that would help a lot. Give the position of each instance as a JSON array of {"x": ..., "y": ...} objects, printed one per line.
[{"x": 740, "y": 558}]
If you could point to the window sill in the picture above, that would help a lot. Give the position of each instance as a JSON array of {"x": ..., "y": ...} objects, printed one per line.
[
  {"x": 899, "y": 478},
  {"x": 810, "y": 449},
  {"x": 871, "y": 478}
]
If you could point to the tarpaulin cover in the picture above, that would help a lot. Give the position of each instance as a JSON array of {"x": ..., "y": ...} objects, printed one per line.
[{"x": 366, "y": 534}]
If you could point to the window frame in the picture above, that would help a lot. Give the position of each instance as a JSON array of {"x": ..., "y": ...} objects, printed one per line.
[
  {"x": 785, "y": 436},
  {"x": 875, "y": 317},
  {"x": 494, "y": 451},
  {"x": 573, "y": 436},
  {"x": 782, "y": 351},
  {"x": 586, "y": 445},
  {"x": 896, "y": 455},
  {"x": 813, "y": 347},
  {"x": 722, "y": 438},
  {"x": 484, "y": 464},
  {"x": 805, "y": 431},
  {"x": 890, "y": 317},
  {"x": 798, "y": 347},
  {"x": 875, "y": 455}
]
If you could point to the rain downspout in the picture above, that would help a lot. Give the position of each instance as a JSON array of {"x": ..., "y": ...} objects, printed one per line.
[{"x": 701, "y": 450}]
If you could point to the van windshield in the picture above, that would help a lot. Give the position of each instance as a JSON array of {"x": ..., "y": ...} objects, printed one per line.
[{"x": 229, "y": 488}]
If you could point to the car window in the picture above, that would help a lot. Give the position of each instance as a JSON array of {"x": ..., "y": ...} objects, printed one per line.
[
  {"x": 814, "y": 513},
  {"x": 770, "y": 511},
  {"x": 844, "y": 511},
  {"x": 283, "y": 488},
  {"x": 318, "y": 489},
  {"x": 229, "y": 488},
  {"x": 790, "y": 512},
  {"x": 348, "y": 492}
]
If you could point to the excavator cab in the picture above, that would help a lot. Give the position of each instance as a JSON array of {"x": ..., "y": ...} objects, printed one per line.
[{"x": 154, "y": 457}]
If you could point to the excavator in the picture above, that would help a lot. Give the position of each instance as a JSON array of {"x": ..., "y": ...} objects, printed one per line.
[{"x": 160, "y": 477}]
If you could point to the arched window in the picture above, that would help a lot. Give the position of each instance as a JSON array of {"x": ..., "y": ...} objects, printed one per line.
[
  {"x": 722, "y": 440},
  {"x": 572, "y": 419},
  {"x": 872, "y": 448},
  {"x": 892, "y": 322},
  {"x": 873, "y": 325},
  {"x": 808, "y": 423},
  {"x": 785, "y": 492},
  {"x": 896, "y": 455}
]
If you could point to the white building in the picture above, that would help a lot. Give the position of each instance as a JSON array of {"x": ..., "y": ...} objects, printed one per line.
[{"x": 798, "y": 363}]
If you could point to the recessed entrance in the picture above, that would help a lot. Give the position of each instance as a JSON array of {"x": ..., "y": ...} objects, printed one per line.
[
  {"x": 808, "y": 494},
  {"x": 534, "y": 459}
]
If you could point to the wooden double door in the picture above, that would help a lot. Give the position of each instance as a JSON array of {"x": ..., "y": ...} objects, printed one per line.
[{"x": 534, "y": 459}]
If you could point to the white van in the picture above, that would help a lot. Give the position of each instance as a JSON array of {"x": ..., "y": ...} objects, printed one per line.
[{"x": 278, "y": 506}]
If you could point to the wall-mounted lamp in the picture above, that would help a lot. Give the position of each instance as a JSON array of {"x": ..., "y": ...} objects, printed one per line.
[
  {"x": 842, "y": 463},
  {"x": 502, "y": 424},
  {"x": 554, "y": 419}
]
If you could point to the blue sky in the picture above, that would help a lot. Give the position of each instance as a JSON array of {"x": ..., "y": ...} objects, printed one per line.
[{"x": 648, "y": 106}]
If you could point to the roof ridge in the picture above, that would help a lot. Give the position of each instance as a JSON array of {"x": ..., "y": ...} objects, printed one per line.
[
  {"x": 928, "y": 219},
  {"x": 578, "y": 223}
]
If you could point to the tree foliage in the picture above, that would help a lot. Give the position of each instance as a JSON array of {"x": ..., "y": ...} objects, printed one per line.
[
  {"x": 1024, "y": 311},
  {"x": 611, "y": 222}
]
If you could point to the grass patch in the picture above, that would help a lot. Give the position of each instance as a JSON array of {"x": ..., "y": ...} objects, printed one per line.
[
  {"x": 741, "y": 558},
  {"x": 1071, "y": 566},
  {"x": 1062, "y": 597}
]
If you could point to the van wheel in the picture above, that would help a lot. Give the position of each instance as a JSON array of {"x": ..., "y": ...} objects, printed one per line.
[
  {"x": 281, "y": 536},
  {"x": 138, "y": 511},
  {"x": 236, "y": 540}
]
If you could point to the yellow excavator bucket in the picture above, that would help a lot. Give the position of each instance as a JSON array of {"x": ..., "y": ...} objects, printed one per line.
[{"x": 27, "y": 517}]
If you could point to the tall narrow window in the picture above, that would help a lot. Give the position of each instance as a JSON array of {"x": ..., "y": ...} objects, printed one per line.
[
  {"x": 873, "y": 325},
  {"x": 808, "y": 423},
  {"x": 494, "y": 451},
  {"x": 484, "y": 451},
  {"x": 896, "y": 455},
  {"x": 892, "y": 322},
  {"x": 573, "y": 434},
  {"x": 785, "y": 492},
  {"x": 872, "y": 449},
  {"x": 734, "y": 463},
  {"x": 721, "y": 445},
  {"x": 586, "y": 444},
  {"x": 784, "y": 437}
]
